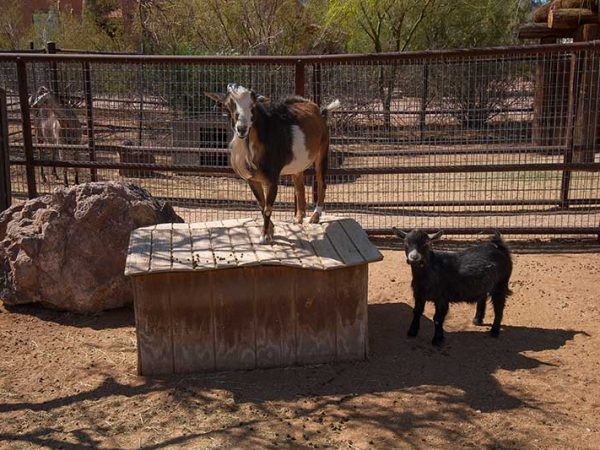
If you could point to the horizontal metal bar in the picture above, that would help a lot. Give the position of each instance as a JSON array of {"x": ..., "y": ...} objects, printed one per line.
[
  {"x": 341, "y": 152},
  {"x": 312, "y": 59},
  {"x": 576, "y": 167},
  {"x": 229, "y": 203},
  {"x": 429, "y": 112}
]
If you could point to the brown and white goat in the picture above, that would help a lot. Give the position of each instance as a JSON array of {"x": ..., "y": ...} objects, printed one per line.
[
  {"x": 56, "y": 123},
  {"x": 274, "y": 139}
]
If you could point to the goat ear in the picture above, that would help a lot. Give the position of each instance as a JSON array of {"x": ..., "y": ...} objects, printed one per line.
[
  {"x": 398, "y": 232},
  {"x": 217, "y": 97},
  {"x": 258, "y": 98},
  {"x": 433, "y": 237},
  {"x": 262, "y": 99}
]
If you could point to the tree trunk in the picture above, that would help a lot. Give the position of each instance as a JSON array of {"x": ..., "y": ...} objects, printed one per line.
[
  {"x": 541, "y": 31},
  {"x": 569, "y": 19}
]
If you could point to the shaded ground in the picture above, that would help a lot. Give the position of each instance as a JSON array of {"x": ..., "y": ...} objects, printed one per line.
[{"x": 70, "y": 381}]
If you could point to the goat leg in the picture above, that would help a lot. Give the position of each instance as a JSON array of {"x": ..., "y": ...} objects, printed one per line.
[
  {"x": 299, "y": 197},
  {"x": 416, "y": 321},
  {"x": 480, "y": 313},
  {"x": 441, "y": 309},
  {"x": 268, "y": 228},
  {"x": 320, "y": 173},
  {"x": 498, "y": 300}
]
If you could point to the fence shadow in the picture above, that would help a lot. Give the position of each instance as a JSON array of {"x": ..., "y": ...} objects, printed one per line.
[{"x": 461, "y": 374}]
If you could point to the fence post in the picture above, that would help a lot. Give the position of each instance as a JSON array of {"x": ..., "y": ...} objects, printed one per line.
[
  {"x": 51, "y": 50},
  {"x": 424, "y": 95},
  {"x": 87, "y": 86},
  {"x": 5, "y": 188},
  {"x": 316, "y": 83},
  {"x": 141, "y": 114},
  {"x": 299, "y": 78},
  {"x": 571, "y": 111},
  {"x": 26, "y": 124}
]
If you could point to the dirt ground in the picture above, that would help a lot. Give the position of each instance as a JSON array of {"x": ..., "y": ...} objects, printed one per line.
[{"x": 70, "y": 381}]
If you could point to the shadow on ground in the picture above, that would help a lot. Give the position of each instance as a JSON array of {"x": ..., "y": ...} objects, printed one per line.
[
  {"x": 116, "y": 318},
  {"x": 460, "y": 375}
]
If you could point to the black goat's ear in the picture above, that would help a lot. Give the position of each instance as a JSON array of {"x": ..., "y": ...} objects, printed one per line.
[
  {"x": 217, "y": 97},
  {"x": 398, "y": 232},
  {"x": 433, "y": 237}
]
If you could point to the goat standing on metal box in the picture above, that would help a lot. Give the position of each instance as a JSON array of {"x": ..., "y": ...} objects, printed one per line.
[
  {"x": 450, "y": 277},
  {"x": 274, "y": 139},
  {"x": 56, "y": 123}
]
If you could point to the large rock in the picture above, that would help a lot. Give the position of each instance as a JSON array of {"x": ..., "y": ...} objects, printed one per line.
[{"x": 67, "y": 250}]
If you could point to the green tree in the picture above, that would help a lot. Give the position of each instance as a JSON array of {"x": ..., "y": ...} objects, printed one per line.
[
  {"x": 381, "y": 26},
  {"x": 13, "y": 32}
]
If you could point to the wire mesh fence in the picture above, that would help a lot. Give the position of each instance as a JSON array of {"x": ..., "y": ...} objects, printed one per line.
[{"x": 464, "y": 141}]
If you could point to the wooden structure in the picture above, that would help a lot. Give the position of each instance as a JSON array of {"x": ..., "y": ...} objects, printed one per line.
[
  {"x": 557, "y": 81},
  {"x": 209, "y": 297}
]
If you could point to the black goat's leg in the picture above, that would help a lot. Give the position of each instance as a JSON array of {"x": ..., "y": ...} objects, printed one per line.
[
  {"x": 416, "y": 321},
  {"x": 441, "y": 309},
  {"x": 498, "y": 300},
  {"x": 480, "y": 313}
]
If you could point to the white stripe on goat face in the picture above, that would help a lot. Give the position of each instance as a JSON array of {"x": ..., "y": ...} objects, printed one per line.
[{"x": 243, "y": 104}]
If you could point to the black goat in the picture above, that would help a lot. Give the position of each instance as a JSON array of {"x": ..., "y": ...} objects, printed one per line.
[{"x": 467, "y": 276}]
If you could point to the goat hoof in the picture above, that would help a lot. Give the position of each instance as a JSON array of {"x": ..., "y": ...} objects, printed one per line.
[
  {"x": 495, "y": 332},
  {"x": 299, "y": 219},
  {"x": 477, "y": 321},
  {"x": 437, "y": 341},
  {"x": 315, "y": 218}
]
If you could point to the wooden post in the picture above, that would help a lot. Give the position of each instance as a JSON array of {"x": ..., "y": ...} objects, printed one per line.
[
  {"x": 586, "y": 128},
  {"x": 26, "y": 124},
  {"x": 51, "y": 50},
  {"x": 424, "y": 95},
  {"x": 568, "y": 157},
  {"x": 5, "y": 188},
  {"x": 141, "y": 113},
  {"x": 550, "y": 100},
  {"x": 87, "y": 85},
  {"x": 317, "y": 84}
]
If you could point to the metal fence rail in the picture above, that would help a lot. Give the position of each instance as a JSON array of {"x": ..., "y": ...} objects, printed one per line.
[{"x": 463, "y": 140}]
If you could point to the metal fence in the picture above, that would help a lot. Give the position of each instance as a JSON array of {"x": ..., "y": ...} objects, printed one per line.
[{"x": 465, "y": 141}]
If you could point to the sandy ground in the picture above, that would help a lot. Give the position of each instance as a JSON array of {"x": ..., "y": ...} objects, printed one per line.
[{"x": 70, "y": 381}]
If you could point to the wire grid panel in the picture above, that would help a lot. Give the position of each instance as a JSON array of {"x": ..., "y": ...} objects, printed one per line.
[
  {"x": 418, "y": 142},
  {"x": 451, "y": 124}
]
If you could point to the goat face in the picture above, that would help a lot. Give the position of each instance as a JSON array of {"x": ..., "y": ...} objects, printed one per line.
[
  {"x": 417, "y": 245},
  {"x": 240, "y": 103},
  {"x": 39, "y": 98}
]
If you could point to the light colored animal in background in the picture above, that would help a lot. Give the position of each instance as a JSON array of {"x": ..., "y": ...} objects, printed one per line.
[
  {"x": 274, "y": 139},
  {"x": 56, "y": 123}
]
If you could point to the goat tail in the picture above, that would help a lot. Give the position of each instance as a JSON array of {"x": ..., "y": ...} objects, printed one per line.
[
  {"x": 497, "y": 240},
  {"x": 331, "y": 107}
]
